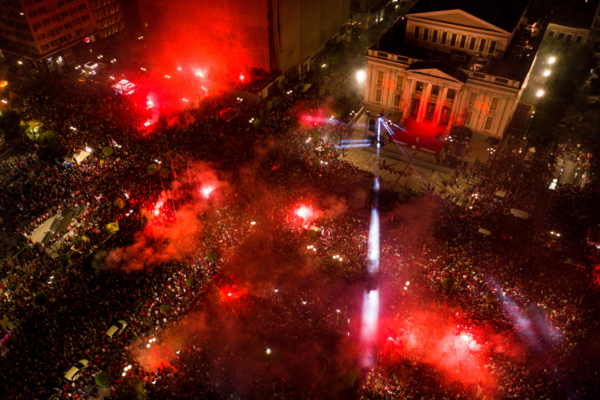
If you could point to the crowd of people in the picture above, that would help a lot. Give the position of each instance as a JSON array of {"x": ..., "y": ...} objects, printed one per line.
[{"x": 269, "y": 169}]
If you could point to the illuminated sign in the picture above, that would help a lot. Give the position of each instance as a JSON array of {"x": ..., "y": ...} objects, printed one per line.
[{"x": 88, "y": 39}]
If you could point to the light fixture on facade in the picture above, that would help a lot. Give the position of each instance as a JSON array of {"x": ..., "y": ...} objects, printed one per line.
[{"x": 361, "y": 76}]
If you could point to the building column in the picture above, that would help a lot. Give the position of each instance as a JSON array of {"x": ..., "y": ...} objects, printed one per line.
[
  {"x": 368, "y": 83},
  {"x": 439, "y": 106},
  {"x": 407, "y": 98},
  {"x": 424, "y": 101},
  {"x": 454, "y": 111}
]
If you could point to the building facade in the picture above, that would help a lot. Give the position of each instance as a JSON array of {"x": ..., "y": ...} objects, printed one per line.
[
  {"x": 274, "y": 35},
  {"x": 43, "y": 32},
  {"x": 445, "y": 66},
  {"x": 572, "y": 22}
]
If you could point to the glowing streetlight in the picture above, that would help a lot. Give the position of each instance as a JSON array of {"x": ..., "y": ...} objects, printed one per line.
[
  {"x": 268, "y": 351},
  {"x": 551, "y": 60},
  {"x": 361, "y": 76},
  {"x": 89, "y": 150},
  {"x": 547, "y": 72},
  {"x": 540, "y": 93}
]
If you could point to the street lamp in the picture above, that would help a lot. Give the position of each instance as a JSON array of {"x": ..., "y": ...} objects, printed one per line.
[
  {"x": 540, "y": 93},
  {"x": 361, "y": 76},
  {"x": 547, "y": 72},
  {"x": 551, "y": 60}
]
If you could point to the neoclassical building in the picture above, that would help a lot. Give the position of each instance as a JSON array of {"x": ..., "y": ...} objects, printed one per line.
[{"x": 454, "y": 63}]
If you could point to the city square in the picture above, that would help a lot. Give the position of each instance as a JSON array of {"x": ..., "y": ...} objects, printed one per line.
[{"x": 300, "y": 200}]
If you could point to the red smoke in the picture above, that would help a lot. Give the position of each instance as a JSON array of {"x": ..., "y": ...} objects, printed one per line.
[
  {"x": 171, "y": 235},
  {"x": 460, "y": 352}
]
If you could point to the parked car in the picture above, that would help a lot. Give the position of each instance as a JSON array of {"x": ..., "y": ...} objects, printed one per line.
[
  {"x": 116, "y": 328},
  {"x": 137, "y": 305},
  {"x": 52, "y": 394},
  {"x": 75, "y": 371},
  {"x": 500, "y": 195}
]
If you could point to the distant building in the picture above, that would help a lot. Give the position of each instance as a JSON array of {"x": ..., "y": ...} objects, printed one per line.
[
  {"x": 572, "y": 21},
  {"x": 43, "y": 32},
  {"x": 454, "y": 63},
  {"x": 366, "y": 13},
  {"x": 275, "y": 35}
]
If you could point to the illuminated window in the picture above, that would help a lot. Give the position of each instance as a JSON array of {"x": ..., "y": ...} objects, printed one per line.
[
  {"x": 468, "y": 118},
  {"x": 489, "y": 121},
  {"x": 419, "y": 87},
  {"x": 396, "y": 100},
  {"x": 378, "y": 96},
  {"x": 472, "y": 99},
  {"x": 494, "y": 105},
  {"x": 379, "y": 78}
]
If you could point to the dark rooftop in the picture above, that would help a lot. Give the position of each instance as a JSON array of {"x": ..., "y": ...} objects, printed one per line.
[
  {"x": 574, "y": 14},
  {"x": 505, "y": 14}
]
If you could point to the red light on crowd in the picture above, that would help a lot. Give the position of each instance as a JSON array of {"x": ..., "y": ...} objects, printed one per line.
[
  {"x": 206, "y": 191},
  {"x": 303, "y": 212}
]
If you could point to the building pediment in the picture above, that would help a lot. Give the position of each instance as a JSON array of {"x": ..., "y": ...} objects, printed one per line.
[
  {"x": 437, "y": 70},
  {"x": 458, "y": 18}
]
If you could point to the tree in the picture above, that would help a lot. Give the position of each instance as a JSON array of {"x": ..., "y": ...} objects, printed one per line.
[
  {"x": 595, "y": 86},
  {"x": 104, "y": 379},
  {"x": 165, "y": 308},
  {"x": 40, "y": 299},
  {"x": 165, "y": 173},
  {"x": 64, "y": 258},
  {"x": 489, "y": 297},
  {"x": 189, "y": 282},
  {"x": 211, "y": 256},
  {"x": 107, "y": 151},
  {"x": 132, "y": 389},
  {"x": 10, "y": 126},
  {"x": 449, "y": 284},
  {"x": 152, "y": 168},
  {"x": 119, "y": 203}
]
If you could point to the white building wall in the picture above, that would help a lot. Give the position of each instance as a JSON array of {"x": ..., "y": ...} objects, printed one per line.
[{"x": 555, "y": 31}]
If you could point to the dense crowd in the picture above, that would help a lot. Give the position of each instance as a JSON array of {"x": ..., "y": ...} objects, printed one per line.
[{"x": 271, "y": 168}]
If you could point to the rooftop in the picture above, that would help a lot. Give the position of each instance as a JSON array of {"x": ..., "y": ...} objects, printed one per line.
[
  {"x": 505, "y": 15},
  {"x": 574, "y": 14},
  {"x": 393, "y": 42}
]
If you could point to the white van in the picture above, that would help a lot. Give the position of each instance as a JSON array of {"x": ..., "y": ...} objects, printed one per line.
[{"x": 519, "y": 213}]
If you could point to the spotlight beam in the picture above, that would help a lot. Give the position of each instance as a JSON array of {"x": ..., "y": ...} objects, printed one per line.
[{"x": 370, "y": 308}]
